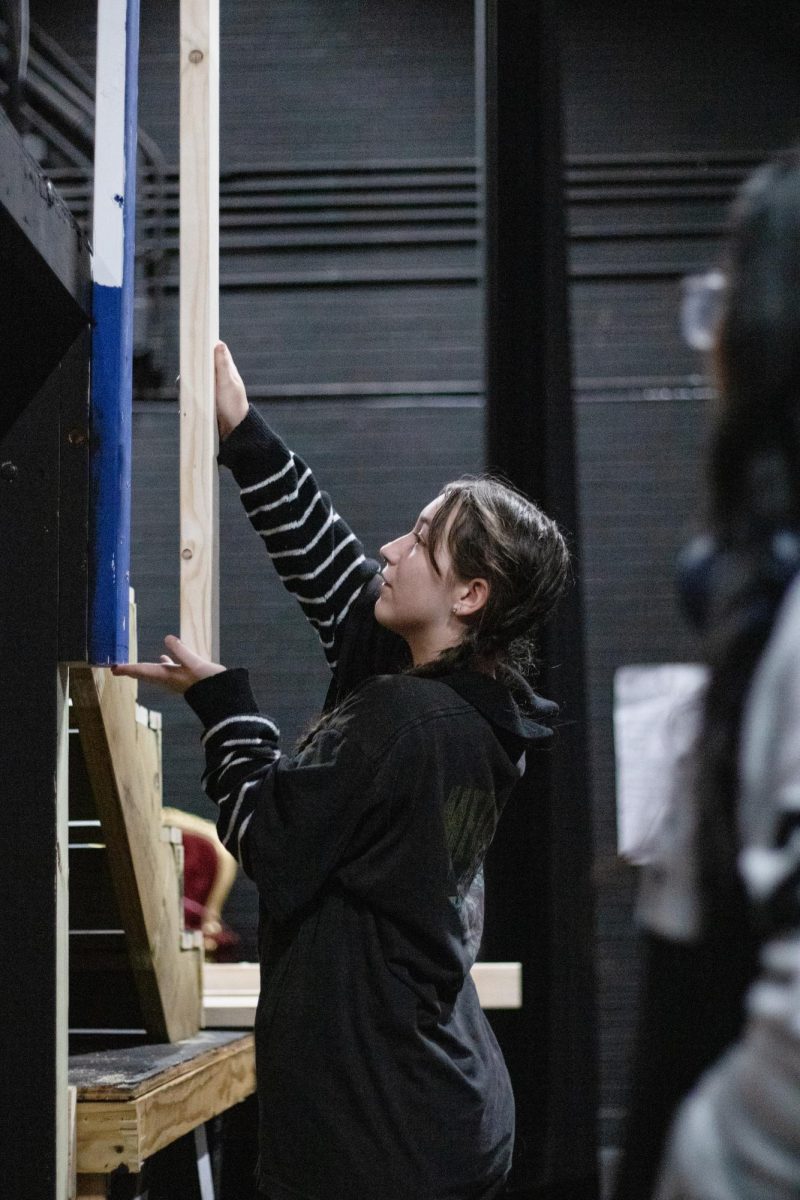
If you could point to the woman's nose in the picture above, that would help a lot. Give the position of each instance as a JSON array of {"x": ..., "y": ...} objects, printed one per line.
[{"x": 389, "y": 550}]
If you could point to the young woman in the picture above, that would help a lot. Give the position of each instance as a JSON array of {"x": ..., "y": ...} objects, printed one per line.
[
  {"x": 730, "y": 880},
  {"x": 379, "y": 1077}
]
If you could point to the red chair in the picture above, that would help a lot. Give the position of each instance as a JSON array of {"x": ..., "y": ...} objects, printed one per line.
[{"x": 208, "y": 875}]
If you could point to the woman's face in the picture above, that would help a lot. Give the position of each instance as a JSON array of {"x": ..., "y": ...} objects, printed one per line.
[{"x": 416, "y": 601}]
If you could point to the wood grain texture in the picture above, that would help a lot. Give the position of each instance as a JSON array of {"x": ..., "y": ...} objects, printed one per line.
[
  {"x": 124, "y": 765},
  {"x": 199, "y": 323},
  {"x": 124, "y": 1129}
]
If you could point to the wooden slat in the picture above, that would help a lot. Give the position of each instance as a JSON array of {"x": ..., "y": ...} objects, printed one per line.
[
  {"x": 72, "y": 1144},
  {"x": 63, "y": 1135},
  {"x": 230, "y": 991},
  {"x": 199, "y": 323},
  {"x": 123, "y": 762},
  {"x": 139, "y": 1117}
]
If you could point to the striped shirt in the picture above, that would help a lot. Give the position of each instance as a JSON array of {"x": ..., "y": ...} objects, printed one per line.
[
  {"x": 319, "y": 560},
  {"x": 240, "y": 750}
]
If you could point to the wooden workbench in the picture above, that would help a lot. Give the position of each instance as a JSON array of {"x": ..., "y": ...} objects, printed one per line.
[{"x": 135, "y": 1101}]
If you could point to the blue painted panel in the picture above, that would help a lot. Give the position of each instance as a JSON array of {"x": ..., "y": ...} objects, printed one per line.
[
  {"x": 112, "y": 364},
  {"x": 110, "y": 480}
]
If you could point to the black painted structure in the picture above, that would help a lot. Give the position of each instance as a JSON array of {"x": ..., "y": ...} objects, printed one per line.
[
  {"x": 539, "y": 893},
  {"x": 45, "y": 302}
]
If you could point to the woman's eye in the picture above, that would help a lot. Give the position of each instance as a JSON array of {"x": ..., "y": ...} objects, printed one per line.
[{"x": 417, "y": 538}]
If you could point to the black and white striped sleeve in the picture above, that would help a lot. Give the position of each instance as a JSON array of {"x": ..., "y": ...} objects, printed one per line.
[
  {"x": 291, "y": 820},
  {"x": 241, "y": 748},
  {"x": 318, "y": 558}
]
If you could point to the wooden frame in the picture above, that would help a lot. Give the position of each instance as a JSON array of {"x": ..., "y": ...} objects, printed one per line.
[
  {"x": 122, "y": 750},
  {"x": 126, "y": 1114}
]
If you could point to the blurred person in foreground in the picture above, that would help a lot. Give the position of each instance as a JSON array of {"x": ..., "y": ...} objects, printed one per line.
[{"x": 718, "y": 1054}]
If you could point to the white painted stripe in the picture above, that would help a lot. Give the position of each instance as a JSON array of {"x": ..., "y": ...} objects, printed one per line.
[
  {"x": 287, "y": 499},
  {"x": 109, "y": 141},
  {"x": 292, "y": 524},
  {"x": 343, "y": 613},
  {"x": 321, "y": 623},
  {"x": 332, "y": 516},
  {"x": 235, "y": 763},
  {"x": 324, "y": 599},
  {"x": 326, "y": 562},
  {"x": 241, "y": 717},
  {"x": 328, "y": 645},
  {"x": 245, "y": 788},
  {"x": 271, "y": 479},
  {"x": 242, "y": 829},
  {"x": 245, "y": 742}
]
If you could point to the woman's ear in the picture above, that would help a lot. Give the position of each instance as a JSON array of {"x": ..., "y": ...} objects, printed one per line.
[{"x": 472, "y": 597}]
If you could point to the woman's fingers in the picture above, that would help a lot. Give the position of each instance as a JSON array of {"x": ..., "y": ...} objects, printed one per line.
[
  {"x": 161, "y": 673},
  {"x": 175, "y": 671},
  {"x": 231, "y": 397},
  {"x": 180, "y": 653},
  {"x": 197, "y": 667}
]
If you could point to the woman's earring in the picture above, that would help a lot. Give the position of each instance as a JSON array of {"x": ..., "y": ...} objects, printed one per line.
[{"x": 456, "y": 609}]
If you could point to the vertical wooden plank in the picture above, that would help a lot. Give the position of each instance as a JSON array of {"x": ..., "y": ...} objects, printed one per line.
[
  {"x": 72, "y": 1145},
  {"x": 112, "y": 343},
  {"x": 199, "y": 323},
  {"x": 64, "y": 1157},
  {"x": 124, "y": 768}
]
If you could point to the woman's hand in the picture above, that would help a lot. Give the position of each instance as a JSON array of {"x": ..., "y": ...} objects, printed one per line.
[
  {"x": 175, "y": 673},
  {"x": 231, "y": 396}
]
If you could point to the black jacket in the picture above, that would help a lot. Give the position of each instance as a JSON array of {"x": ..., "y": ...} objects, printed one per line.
[{"x": 379, "y": 1077}]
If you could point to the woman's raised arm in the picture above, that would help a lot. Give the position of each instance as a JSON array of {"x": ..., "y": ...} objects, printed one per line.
[{"x": 318, "y": 558}]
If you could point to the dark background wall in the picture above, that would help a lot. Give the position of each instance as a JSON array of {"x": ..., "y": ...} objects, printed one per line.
[
  {"x": 666, "y": 106},
  {"x": 350, "y": 298}
]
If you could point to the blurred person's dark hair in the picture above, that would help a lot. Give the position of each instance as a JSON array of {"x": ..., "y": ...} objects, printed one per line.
[{"x": 754, "y": 480}]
